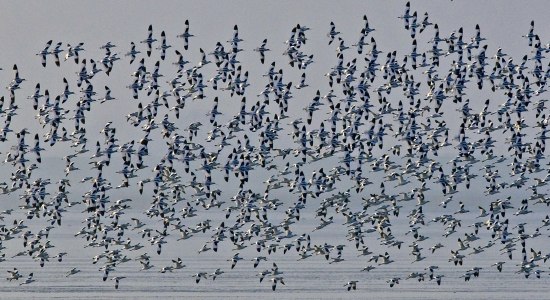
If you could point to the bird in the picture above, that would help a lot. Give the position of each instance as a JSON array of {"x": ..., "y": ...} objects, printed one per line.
[
  {"x": 332, "y": 32},
  {"x": 186, "y": 35},
  {"x": 200, "y": 275},
  {"x": 257, "y": 260},
  {"x": 72, "y": 272},
  {"x": 117, "y": 280},
  {"x": 149, "y": 40},
  {"x": 216, "y": 273},
  {"x": 275, "y": 280},
  {"x": 45, "y": 52},
  {"x": 163, "y": 46},
  {"x": 133, "y": 52},
  {"x": 262, "y": 49},
  {"x": 60, "y": 256},
  {"x": 499, "y": 265},
  {"x": 351, "y": 285},
  {"x": 178, "y": 263},
  {"x": 14, "y": 274},
  {"x": 55, "y": 52},
  {"x": 393, "y": 281},
  {"x": 438, "y": 279},
  {"x": 73, "y": 51},
  {"x": 235, "y": 259},
  {"x": 36, "y": 96},
  {"x": 368, "y": 268},
  {"x": 29, "y": 279}
]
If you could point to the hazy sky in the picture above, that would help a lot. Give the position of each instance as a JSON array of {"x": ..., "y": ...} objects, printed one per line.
[{"x": 25, "y": 27}]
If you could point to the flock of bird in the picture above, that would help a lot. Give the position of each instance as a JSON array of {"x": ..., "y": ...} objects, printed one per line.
[{"x": 367, "y": 152}]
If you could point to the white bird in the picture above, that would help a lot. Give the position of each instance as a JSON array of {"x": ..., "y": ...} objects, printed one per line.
[
  {"x": 163, "y": 45},
  {"x": 133, "y": 52},
  {"x": 14, "y": 274},
  {"x": 108, "y": 96},
  {"x": 117, "y": 280},
  {"x": 351, "y": 285},
  {"x": 393, "y": 281},
  {"x": 74, "y": 52},
  {"x": 200, "y": 275},
  {"x": 262, "y": 49},
  {"x": 72, "y": 272},
  {"x": 275, "y": 280},
  {"x": 186, "y": 35},
  {"x": 235, "y": 259},
  {"x": 216, "y": 273},
  {"x": 56, "y": 52},
  {"x": 332, "y": 33},
  {"x": 438, "y": 278},
  {"x": 149, "y": 40},
  {"x": 28, "y": 280},
  {"x": 45, "y": 52},
  {"x": 257, "y": 260}
]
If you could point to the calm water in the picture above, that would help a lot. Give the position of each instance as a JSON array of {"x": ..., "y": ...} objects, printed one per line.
[{"x": 313, "y": 278}]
